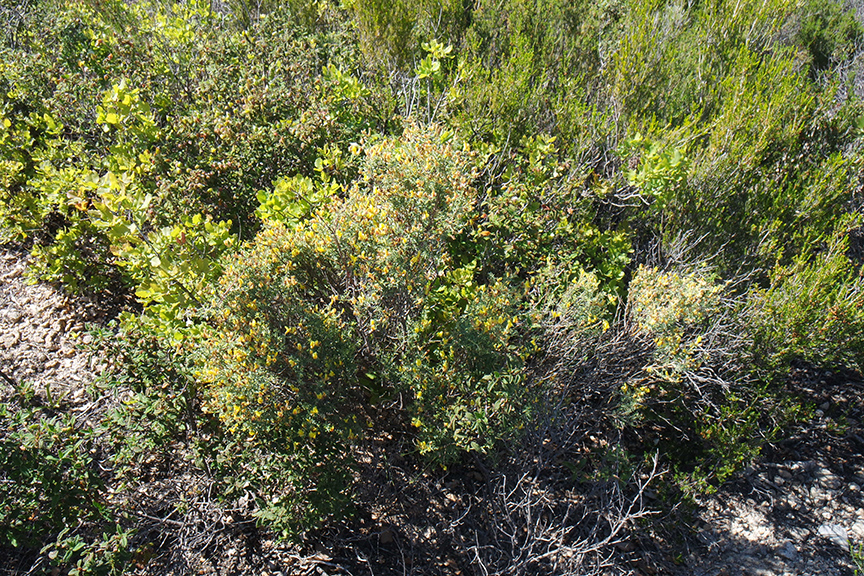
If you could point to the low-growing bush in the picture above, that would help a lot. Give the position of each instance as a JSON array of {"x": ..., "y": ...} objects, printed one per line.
[
  {"x": 812, "y": 311},
  {"x": 52, "y": 497},
  {"x": 694, "y": 393},
  {"x": 317, "y": 317}
]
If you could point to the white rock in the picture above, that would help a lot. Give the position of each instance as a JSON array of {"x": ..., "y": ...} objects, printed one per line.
[
  {"x": 11, "y": 340},
  {"x": 835, "y": 533}
]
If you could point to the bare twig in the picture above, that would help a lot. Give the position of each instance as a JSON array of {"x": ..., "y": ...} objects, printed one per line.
[{"x": 8, "y": 379}]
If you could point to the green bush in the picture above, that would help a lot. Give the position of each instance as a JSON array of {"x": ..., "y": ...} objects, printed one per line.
[
  {"x": 50, "y": 479},
  {"x": 754, "y": 135},
  {"x": 52, "y": 499},
  {"x": 695, "y": 395},
  {"x": 811, "y": 312},
  {"x": 326, "y": 321}
]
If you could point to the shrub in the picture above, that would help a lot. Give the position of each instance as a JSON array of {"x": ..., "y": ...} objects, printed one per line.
[
  {"x": 315, "y": 316},
  {"x": 719, "y": 353},
  {"x": 753, "y": 140},
  {"x": 694, "y": 388},
  {"x": 49, "y": 478},
  {"x": 51, "y": 494},
  {"x": 810, "y": 312},
  {"x": 327, "y": 320},
  {"x": 529, "y": 68},
  {"x": 673, "y": 308}
]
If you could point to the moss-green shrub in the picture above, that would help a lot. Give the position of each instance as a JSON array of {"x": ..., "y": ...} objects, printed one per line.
[{"x": 811, "y": 312}]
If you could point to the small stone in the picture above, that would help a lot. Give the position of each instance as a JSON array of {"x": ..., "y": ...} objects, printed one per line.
[
  {"x": 51, "y": 341},
  {"x": 783, "y": 473},
  {"x": 828, "y": 480},
  {"x": 825, "y": 405},
  {"x": 835, "y": 533},
  {"x": 11, "y": 340},
  {"x": 789, "y": 551},
  {"x": 853, "y": 487}
]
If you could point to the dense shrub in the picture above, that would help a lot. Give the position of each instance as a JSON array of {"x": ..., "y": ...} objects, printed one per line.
[
  {"x": 52, "y": 498},
  {"x": 324, "y": 317},
  {"x": 327, "y": 320},
  {"x": 811, "y": 311}
]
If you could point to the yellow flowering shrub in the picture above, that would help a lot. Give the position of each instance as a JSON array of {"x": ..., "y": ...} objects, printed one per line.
[
  {"x": 318, "y": 319},
  {"x": 670, "y": 307}
]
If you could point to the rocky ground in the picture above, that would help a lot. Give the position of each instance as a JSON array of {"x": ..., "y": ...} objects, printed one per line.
[{"x": 799, "y": 510}]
